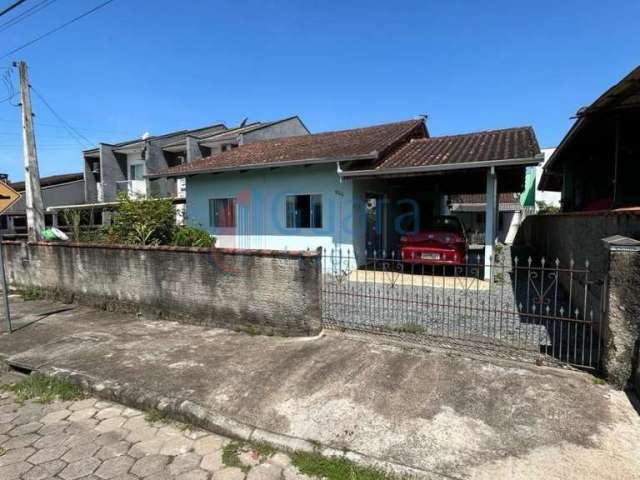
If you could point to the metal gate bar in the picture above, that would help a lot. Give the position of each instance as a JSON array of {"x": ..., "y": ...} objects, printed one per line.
[{"x": 533, "y": 308}]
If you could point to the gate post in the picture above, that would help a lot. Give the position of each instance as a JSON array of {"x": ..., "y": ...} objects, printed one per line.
[{"x": 621, "y": 327}]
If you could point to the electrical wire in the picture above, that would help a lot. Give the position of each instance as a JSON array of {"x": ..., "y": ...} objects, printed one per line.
[
  {"x": 67, "y": 23},
  {"x": 11, "y": 7},
  {"x": 26, "y": 14},
  {"x": 72, "y": 131}
]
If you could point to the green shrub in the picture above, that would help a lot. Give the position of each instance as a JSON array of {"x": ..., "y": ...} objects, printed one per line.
[
  {"x": 143, "y": 221},
  {"x": 185, "y": 236}
]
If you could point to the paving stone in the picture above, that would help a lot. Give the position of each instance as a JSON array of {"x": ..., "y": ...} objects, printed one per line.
[
  {"x": 142, "y": 434},
  {"x": 48, "y": 454},
  {"x": 212, "y": 462},
  {"x": 111, "y": 450},
  {"x": 44, "y": 471},
  {"x": 149, "y": 465},
  {"x": 81, "y": 451},
  {"x": 176, "y": 446},
  {"x": 195, "y": 433},
  {"x": 50, "y": 441},
  {"x": 31, "y": 427},
  {"x": 281, "y": 459},
  {"x": 291, "y": 473},
  {"x": 230, "y": 474},
  {"x": 131, "y": 412},
  {"x": 8, "y": 417},
  {"x": 14, "y": 471},
  {"x": 21, "y": 441},
  {"x": 114, "y": 467},
  {"x": 6, "y": 427},
  {"x": 209, "y": 444},
  {"x": 53, "y": 428},
  {"x": 109, "y": 424},
  {"x": 109, "y": 412},
  {"x": 148, "y": 447},
  {"x": 184, "y": 463},
  {"x": 249, "y": 458},
  {"x": 265, "y": 471},
  {"x": 15, "y": 456},
  {"x": 82, "y": 404},
  {"x": 84, "y": 414},
  {"x": 80, "y": 469},
  {"x": 112, "y": 436},
  {"x": 194, "y": 475},
  {"x": 81, "y": 438},
  {"x": 101, "y": 404},
  {"x": 55, "y": 417}
]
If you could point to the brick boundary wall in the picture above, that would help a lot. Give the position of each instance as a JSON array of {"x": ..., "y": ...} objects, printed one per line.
[{"x": 261, "y": 291}]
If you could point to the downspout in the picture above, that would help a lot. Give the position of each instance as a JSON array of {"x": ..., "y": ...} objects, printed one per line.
[{"x": 339, "y": 171}]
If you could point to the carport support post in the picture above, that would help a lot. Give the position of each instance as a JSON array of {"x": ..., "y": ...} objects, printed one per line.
[{"x": 490, "y": 208}]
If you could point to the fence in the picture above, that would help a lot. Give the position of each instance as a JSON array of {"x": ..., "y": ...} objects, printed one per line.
[{"x": 524, "y": 311}]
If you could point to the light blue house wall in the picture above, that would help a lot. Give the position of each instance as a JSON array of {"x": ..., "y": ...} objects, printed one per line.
[{"x": 261, "y": 208}]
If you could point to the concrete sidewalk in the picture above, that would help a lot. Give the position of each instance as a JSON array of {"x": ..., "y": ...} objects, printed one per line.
[{"x": 446, "y": 416}]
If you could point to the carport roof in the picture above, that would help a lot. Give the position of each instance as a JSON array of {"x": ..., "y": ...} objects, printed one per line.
[{"x": 509, "y": 146}]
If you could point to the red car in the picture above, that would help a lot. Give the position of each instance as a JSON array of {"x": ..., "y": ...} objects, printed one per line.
[{"x": 442, "y": 243}]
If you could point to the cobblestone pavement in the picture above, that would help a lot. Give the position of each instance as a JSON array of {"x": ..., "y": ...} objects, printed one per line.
[{"x": 97, "y": 440}]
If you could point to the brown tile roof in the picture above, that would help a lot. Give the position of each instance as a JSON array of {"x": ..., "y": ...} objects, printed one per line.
[
  {"x": 331, "y": 146},
  {"x": 506, "y": 144}
]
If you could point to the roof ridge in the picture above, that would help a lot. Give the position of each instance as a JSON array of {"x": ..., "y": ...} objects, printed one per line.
[{"x": 477, "y": 132}]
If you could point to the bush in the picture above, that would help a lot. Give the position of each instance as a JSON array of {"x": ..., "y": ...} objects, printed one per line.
[
  {"x": 546, "y": 209},
  {"x": 143, "y": 221},
  {"x": 185, "y": 236}
]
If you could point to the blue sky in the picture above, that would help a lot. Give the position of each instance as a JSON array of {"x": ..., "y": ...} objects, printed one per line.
[{"x": 156, "y": 66}]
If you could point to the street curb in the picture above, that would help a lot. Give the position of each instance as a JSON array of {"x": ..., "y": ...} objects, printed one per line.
[{"x": 196, "y": 414}]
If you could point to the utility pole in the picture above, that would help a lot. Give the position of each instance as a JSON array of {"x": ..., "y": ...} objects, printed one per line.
[{"x": 33, "y": 195}]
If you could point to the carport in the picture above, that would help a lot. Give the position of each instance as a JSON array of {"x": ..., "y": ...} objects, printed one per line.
[{"x": 415, "y": 181}]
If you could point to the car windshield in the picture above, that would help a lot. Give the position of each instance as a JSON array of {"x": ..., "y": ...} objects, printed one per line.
[{"x": 447, "y": 224}]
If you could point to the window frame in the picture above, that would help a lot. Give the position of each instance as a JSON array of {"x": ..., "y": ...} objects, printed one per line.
[
  {"x": 304, "y": 194},
  {"x": 134, "y": 165},
  {"x": 235, "y": 212}
]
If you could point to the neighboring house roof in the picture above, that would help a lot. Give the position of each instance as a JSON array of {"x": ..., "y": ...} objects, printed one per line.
[
  {"x": 367, "y": 143},
  {"x": 51, "y": 181},
  {"x": 135, "y": 141},
  {"x": 623, "y": 95},
  {"x": 487, "y": 146}
]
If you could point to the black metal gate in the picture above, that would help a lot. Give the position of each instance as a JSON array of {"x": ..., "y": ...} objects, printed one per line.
[{"x": 529, "y": 309}]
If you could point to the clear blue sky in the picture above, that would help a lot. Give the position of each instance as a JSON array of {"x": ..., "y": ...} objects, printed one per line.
[{"x": 162, "y": 65}]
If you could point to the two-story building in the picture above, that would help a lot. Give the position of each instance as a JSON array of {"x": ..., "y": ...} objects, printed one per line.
[{"x": 124, "y": 166}]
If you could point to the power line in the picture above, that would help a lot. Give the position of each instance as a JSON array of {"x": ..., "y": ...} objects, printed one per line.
[
  {"x": 11, "y": 7},
  {"x": 26, "y": 14},
  {"x": 72, "y": 131},
  {"x": 44, "y": 35}
]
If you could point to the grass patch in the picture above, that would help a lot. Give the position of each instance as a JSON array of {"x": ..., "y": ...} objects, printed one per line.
[
  {"x": 44, "y": 389},
  {"x": 30, "y": 293},
  {"x": 231, "y": 458},
  {"x": 413, "y": 328},
  {"x": 153, "y": 415},
  {"x": 598, "y": 381},
  {"x": 315, "y": 465},
  {"x": 2, "y": 451}
]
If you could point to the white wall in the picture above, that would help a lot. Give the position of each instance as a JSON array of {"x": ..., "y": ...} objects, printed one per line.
[{"x": 551, "y": 198}]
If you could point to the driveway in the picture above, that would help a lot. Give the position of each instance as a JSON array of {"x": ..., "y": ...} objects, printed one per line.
[{"x": 445, "y": 416}]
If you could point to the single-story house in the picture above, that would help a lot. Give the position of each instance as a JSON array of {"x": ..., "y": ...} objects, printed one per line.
[{"x": 354, "y": 190}]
